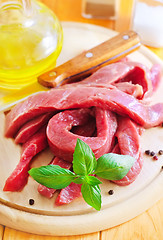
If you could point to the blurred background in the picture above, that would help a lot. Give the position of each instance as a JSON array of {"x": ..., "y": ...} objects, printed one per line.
[
  {"x": 32, "y": 28},
  {"x": 118, "y": 15}
]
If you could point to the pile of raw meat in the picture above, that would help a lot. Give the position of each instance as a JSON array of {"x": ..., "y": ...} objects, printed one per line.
[{"x": 107, "y": 111}]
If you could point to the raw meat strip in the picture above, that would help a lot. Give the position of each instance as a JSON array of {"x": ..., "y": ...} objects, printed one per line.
[
  {"x": 18, "y": 178},
  {"x": 49, "y": 192},
  {"x": 61, "y": 99},
  {"x": 155, "y": 76},
  {"x": 87, "y": 130},
  {"x": 68, "y": 194},
  {"x": 31, "y": 128},
  {"x": 132, "y": 72},
  {"x": 129, "y": 144},
  {"x": 84, "y": 130},
  {"x": 62, "y": 142},
  {"x": 129, "y": 88}
]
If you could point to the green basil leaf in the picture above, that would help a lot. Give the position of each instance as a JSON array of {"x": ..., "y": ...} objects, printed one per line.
[
  {"x": 113, "y": 166},
  {"x": 91, "y": 180},
  {"x": 84, "y": 161},
  {"x": 52, "y": 176},
  {"x": 92, "y": 195},
  {"x": 79, "y": 180}
]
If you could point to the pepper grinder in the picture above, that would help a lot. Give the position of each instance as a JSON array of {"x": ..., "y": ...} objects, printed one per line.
[{"x": 30, "y": 42}]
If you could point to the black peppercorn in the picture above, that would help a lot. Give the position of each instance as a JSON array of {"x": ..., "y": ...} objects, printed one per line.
[
  {"x": 110, "y": 192},
  {"x": 31, "y": 201},
  {"x": 152, "y": 153},
  {"x": 148, "y": 152}
]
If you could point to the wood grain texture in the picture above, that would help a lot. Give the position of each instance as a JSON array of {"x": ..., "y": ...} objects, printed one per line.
[
  {"x": 11, "y": 234},
  {"x": 1, "y": 232},
  {"x": 147, "y": 226}
]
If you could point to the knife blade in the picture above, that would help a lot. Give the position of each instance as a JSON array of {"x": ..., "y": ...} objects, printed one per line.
[{"x": 78, "y": 67}]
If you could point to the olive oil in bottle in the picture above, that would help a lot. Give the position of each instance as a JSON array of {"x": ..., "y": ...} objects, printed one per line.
[{"x": 30, "y": 42}]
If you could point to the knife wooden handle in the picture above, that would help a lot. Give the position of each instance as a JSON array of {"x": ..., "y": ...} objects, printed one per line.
[{"x": 89, "y": 61}]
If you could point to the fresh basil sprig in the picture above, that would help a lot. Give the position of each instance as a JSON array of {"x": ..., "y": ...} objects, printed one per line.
[
  {"x": 52, "y": 176},
  {"x": 110, "y": 166}
]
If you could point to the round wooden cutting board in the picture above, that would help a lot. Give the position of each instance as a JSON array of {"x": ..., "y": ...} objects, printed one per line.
[{"x": 78, "y": 218}]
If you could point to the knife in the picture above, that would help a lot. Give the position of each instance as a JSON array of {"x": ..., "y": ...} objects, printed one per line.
[{"x": 78, "y": 67}]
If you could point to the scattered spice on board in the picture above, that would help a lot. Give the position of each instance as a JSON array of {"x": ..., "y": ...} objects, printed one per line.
[
  {"x": 155, "y": 158},
  {"x": 111, "y": 192},
  {"x": 31, "y": 201},
  {"x": 152, "y": 153},
  {"x": 148, "y": 152}
]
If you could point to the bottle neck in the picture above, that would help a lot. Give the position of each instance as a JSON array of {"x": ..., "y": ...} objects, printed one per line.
[
  {"x": 21, "y": 5},
  {"x": 14, "y": 11}
]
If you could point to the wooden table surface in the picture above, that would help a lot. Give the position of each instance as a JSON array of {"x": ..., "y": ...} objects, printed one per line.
[{"x": 147, "y": 226}]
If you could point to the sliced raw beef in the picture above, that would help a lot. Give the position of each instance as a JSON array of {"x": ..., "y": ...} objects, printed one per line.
[
  {"x": 87, "y": 130},
  {"x": 18, "y": 178},
  {"x": 155, "y": 76},
  {"x": 113, "y": 73},
  {"x": 116, "y": 149},
  {"x": 61, "y": 99},
  {"x": 68, "y": 194},
  {"x": 87, "y": 110},
  {"x": 129, "y": 88},
  {"x": 84, "y": 130},
  {"x": 133, "y": 89},
  {"x": 130, "y": 72},
  {"x": 31, "y": 128},
  {"x": 139, "y": 74},
  {"x": 129, "y": 144},
  {"x": 62, "y": 142},
  {"x": 49, "y": 192}
]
